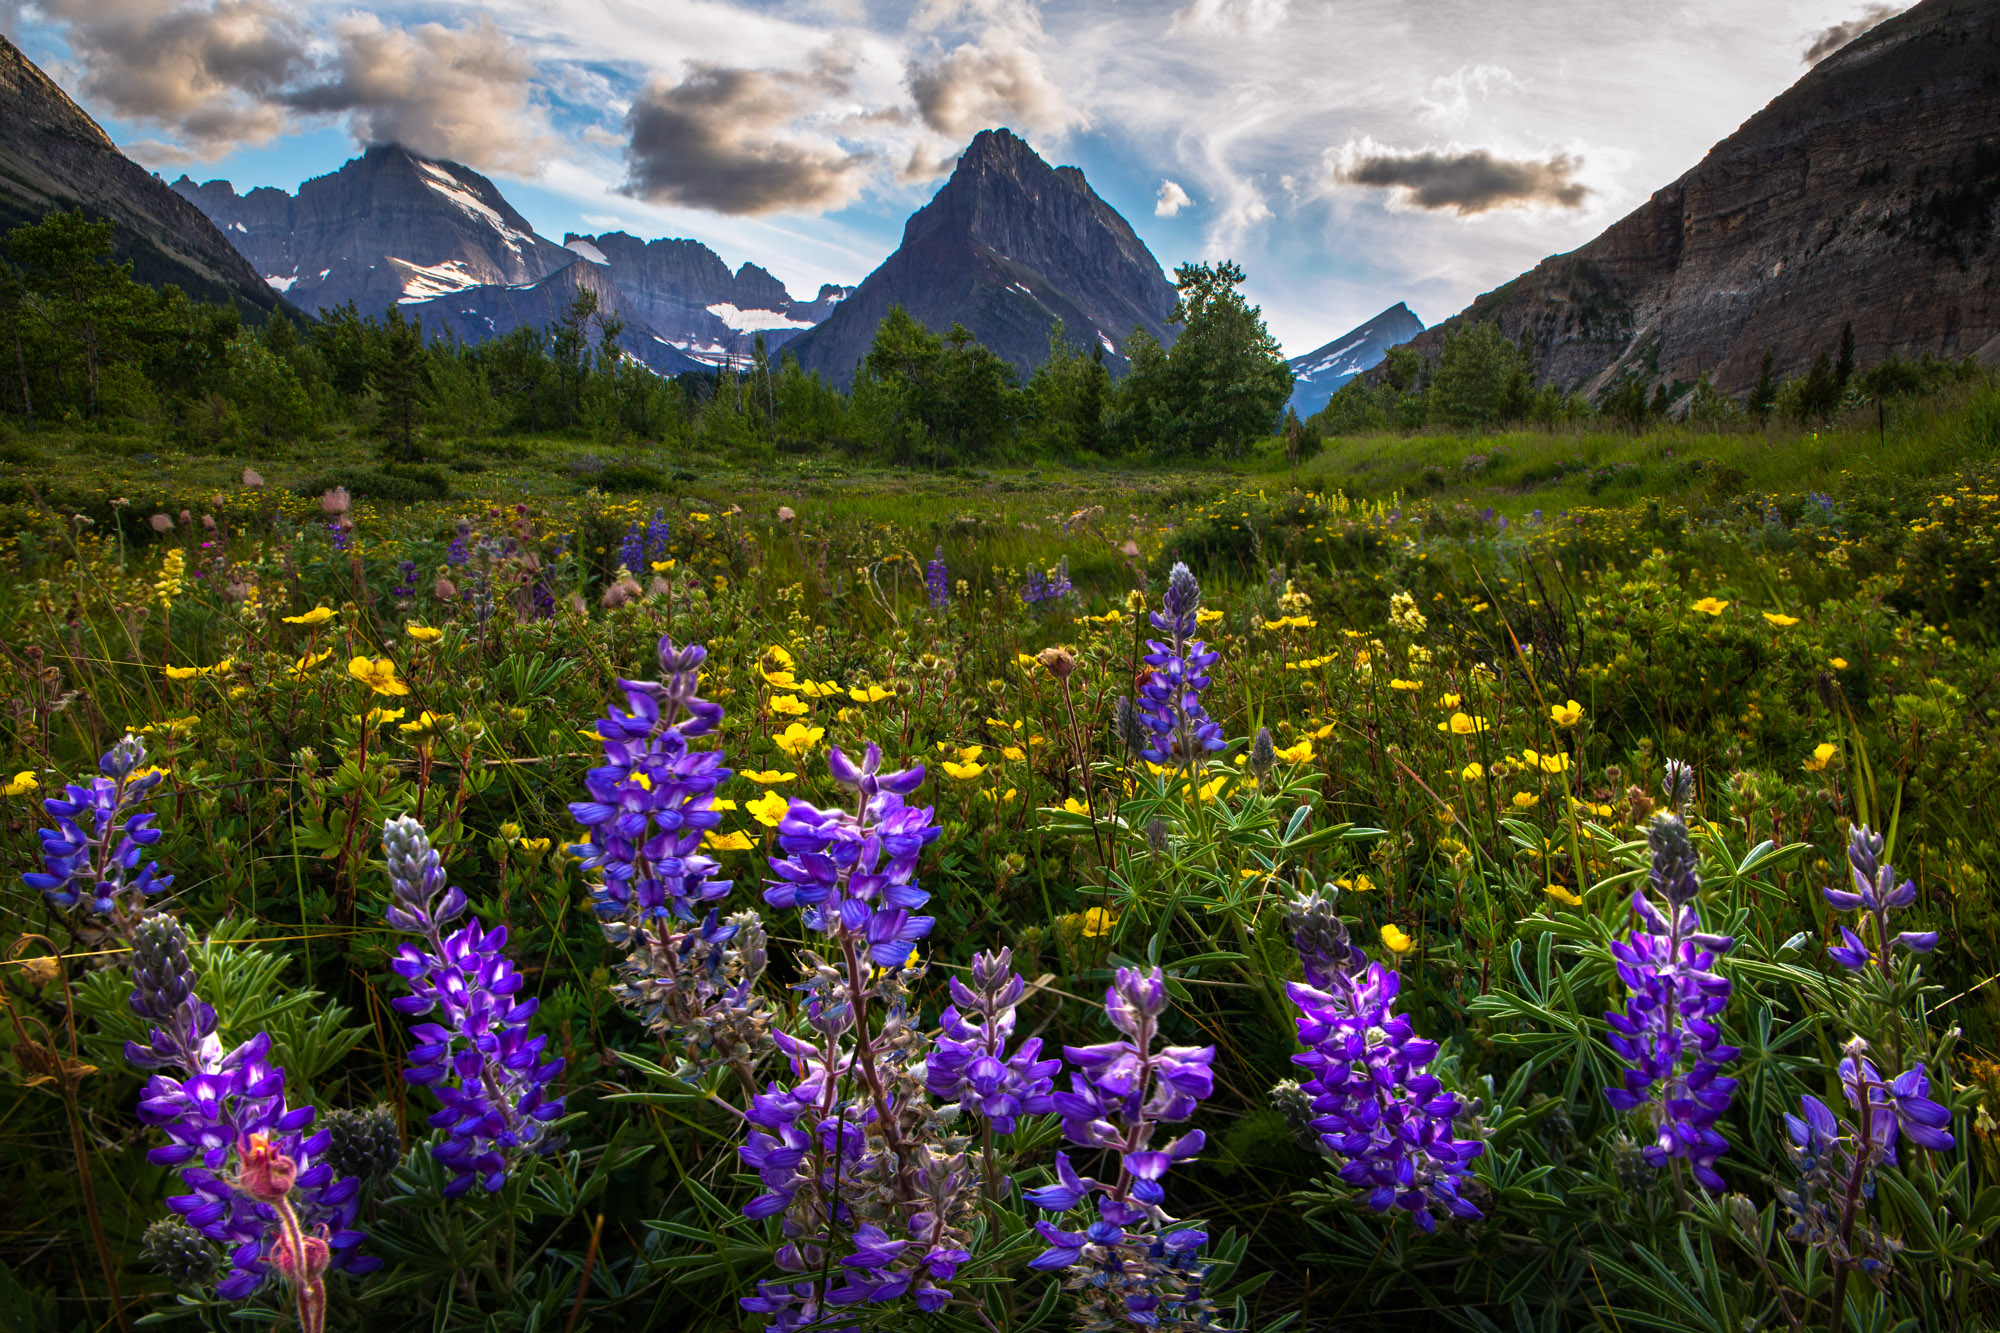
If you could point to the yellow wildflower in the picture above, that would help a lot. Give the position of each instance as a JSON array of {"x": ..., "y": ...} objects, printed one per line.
[
  {"x": 424, "y": 633},
  {"x": 1780, "y": 621},
  {"x": 818, "y": 689},
  {"x": 1097, "y": 921},
  {"x": 376, "y": 717},
  {"x": 1563, "y": 895},
  {"x": 1395, "y": 941},
  {"x": 535, "y": 846},
  {"x": 1566, "y": 715},
  {"x": 1400, "y": 684},
  {"x": 1711, "y": 606},
  {"x": 1463, "y": 724},
  {"x": 1358, "y": 884},
  {"x": 183, "y": 673},
  {"x": 869, "y": 694},
  {"x": 1013, "y": 752},
  {"x": 1837, "y": 663},
  {"x": 23, "y": 782},
  {"x": 1822, "y": 755},
  {"x": 1472, "y": 772},
  {"x": 1448, "y": 701},
  {"x": 301, "y": 668},
  {"x": 729, "y": 842},
  {"x": 1524, "y": 800},
  {"x": 1073, "y": 806},
  {"x": 796, "y": 739},
  {"x": 427, "y": 724},
  {"x": 789, "y": 705},
  {"x": 769, "y": 809},
  {"x": 1301, "y": 753},
  {"x": 378, "y": 674},
  {"x": 319, "y": 615},
  {"x": 768, "y": 777},
  {"x": 963, "y": 772}
]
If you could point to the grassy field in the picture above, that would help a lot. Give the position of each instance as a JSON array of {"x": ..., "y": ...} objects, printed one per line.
[{"x": 1475, "y": 659}]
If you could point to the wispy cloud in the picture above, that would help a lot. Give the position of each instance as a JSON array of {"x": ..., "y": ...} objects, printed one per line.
[
  {"x": 1171, "y": 200},
  {"x": 1832, "y": 38}
]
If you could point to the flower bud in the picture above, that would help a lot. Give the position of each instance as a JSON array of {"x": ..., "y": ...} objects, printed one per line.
[{"x": 264, "y": 1172}]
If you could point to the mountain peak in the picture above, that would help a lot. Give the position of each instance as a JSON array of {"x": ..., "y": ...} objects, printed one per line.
[{"x": 1006, "y": 247}]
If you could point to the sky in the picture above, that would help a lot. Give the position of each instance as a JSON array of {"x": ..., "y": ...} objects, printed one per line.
[{"x": 1349, "y": 154}]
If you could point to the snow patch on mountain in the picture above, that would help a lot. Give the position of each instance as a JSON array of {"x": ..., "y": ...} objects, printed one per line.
[
  {"x": 421, "y": 282},
  {"x": 587, "y": 250},
  {"x": 755, "y": 321}
]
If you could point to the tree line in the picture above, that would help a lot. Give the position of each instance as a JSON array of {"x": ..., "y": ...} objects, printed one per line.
[{"x": 88, "y": 345}]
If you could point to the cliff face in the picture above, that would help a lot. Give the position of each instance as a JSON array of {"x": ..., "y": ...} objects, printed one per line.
[
  {"x": 1007, "y": 247},
  {"x": 388, "y": 226},
  {"x": 1868, "y": 192},
  {"x": 54, "y": 156},
  {"x": 494, "y": 310}
]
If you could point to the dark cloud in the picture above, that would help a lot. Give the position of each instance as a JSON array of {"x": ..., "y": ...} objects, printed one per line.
[
  {"x": 1465, "y": 182},
  {"x": 727, "y": 140},
  {"x": 1840, "y": 34},
  {"x": 453, "y": 92}
]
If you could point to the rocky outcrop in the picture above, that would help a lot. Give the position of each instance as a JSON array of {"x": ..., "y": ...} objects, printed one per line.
[
  {"x": 388, "y": 227},
  {"x": 1318, "y": 373},
  {"x": 1006, "y": 248},
  {"x": 54, "y": 156},
  {"x": 1868, "y": 192}
]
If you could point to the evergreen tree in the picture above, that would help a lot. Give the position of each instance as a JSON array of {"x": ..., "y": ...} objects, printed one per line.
[
  {"x": 398, "y": 381},
  {"x": 1764, "y": 393},
  {"x": 1229, "y": 381}
]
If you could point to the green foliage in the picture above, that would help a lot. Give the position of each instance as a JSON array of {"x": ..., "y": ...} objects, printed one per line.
[{"x": 1223, "y": 383}]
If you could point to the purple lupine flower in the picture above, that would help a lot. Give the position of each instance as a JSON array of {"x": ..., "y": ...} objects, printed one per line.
[
  {"x": 1169, "y": 703},
  {"x": 971, "y": 1065},
  {"x": 1035, "y": 588},
  {"x": 865, "y": 1187},
  {"x": 459, "y": 552},
  {"x": 1669, "y": 1031},
  {"x": 632, "y": 549},
  {"x": 1837, "y": 1161},
  {"x": 851, "y": 876},
  {"x": 653, "y": 799},
  {"x": 406, "y": 586},
  {"x": 1875, "y": 894},
  {"x": 89, "y": 857},
  {"x": 210, "y": 1104},
  {"x": 479, "y": 1061},
  {"x": 651, "y": 805},
  {"x": 937, "y": 581},
  {"x": 341, "y": 533},
  {"x": 1375, "y": 1105},
  {"x": 1131, "y": 1263}
]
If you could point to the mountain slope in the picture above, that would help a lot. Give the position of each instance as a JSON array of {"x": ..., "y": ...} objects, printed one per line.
[
  {"x": 1007, "y": 247},
  {"x": 54, "y": 156},
  {"x": 1318, "y": 373},
  {"x": 477, "y": 314},
  {"x": 388, "y": 227},
  {"x": 684, "y": 291},
  {"x": 1869, "y": 191}
]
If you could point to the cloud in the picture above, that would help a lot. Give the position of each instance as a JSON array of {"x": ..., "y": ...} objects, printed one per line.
[
  {"x": 212, "y": 73},
  {"x": 1452, "y": 95},
  {"x": 1229, "y": 18},
  {"x": 1840, "y": 34},
  {"x": 460, "y": 93},
  {"x": 1467, "y": 181},
  {"x": 1171, "y": 201},
  {"x": 727, "y": 140},
  {"x": 995, "y": 81}
]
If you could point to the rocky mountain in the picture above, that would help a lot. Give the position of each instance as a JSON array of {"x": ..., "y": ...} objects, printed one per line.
[
  {"x": 389, "y": 226},
  {"x": 477, "y": 314},
  {"x": 1006, "y": 248},
  {"x": 54, "y": 156},
  {"x": 684, "y": 289},
  {"x": 1867, "y": 192},
  {"x": 1318, "y": 373}
]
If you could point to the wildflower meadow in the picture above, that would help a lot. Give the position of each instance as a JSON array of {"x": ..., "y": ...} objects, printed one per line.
[{"x": 1309, "y": 895}]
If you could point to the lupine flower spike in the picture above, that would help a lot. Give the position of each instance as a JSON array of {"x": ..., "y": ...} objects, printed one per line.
[
  {"x": 1169, "y": 703},
  {"x": 1373, "y": 1104},
  {"x": 1133, "y": 1264},
  {"x": 1837, "y": 1160},
  {"x": 688, "y": 974},
  {"x": 479, "y": 1060},
  {"x": 1668, "y": 1032},
  {"x": 1875, "y": 894},
  {"x": 90, "y": 856},
  {"x": 281, "y": 1208}
]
